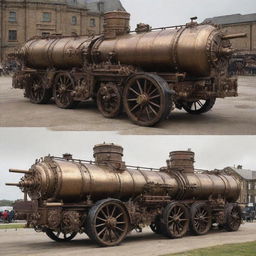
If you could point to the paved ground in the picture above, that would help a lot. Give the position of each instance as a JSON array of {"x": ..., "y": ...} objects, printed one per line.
[
  {"x": 28, "y": 242},
  {"x": 229, "y": 116}
]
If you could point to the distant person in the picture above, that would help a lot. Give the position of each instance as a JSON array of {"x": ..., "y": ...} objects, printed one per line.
[
  {"x": 11, "y": 216},
  {"x": 5, "y": 216}
]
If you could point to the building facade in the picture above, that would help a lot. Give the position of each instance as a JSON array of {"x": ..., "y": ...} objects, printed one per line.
[
  {"x": 247, "y": 179},
  {"x": 237, "y": 23},
  {"x": 24, "y": 19}
]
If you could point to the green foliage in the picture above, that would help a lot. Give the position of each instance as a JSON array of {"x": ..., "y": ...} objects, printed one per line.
[
  {"x": 12, "y": 226},
  {"x": 6, "y": 203},
  {"x": 244, "y": 249}
]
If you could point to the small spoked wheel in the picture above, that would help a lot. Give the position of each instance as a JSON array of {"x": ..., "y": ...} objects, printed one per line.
[
  {"x": 109, "y": 100},
  {"x": 147, "y": 99},
  {"x": 62, "y": 91},
  {"x": 175, "y": 220},
  {"x": 200, "y": 219},
  {"x": 233, "y": 215},
  {"x": 59, "y": 236},
  {"x": 37, "y": 93},
  {"x": 107, "y": 223},
  {"x": 156, "y": 226},
  {"x": 199, "y": 106}
]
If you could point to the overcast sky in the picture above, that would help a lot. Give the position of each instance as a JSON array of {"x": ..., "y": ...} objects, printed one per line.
[
  {"x": 176, "y": 12},
  {"x": 19, "y": 148}
]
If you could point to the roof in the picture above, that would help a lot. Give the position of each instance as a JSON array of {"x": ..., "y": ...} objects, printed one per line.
[
  {"x": 245, "y": 173},
  {"x": 232, "y": 19},
  {"x": 95, "y": 6},
  {"x": 102, "y": 6}
]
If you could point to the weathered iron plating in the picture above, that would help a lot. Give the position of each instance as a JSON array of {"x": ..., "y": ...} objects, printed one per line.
[{"x": 107, "y": 198}]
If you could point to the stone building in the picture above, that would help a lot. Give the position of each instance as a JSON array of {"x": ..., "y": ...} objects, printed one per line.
[
  {"x": 23, "y": 19},
  {"x": 238, "y": 23},
  {"x": 248, "y": 183}
]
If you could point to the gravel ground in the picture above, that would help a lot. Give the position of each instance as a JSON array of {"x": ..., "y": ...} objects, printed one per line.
[
  {"x": 27, "y": 242},
  {"x": 230, "y": 116}
]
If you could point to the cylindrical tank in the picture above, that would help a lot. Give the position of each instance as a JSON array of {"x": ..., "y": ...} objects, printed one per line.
[
  {"x": 70, "y": 180},
  {"x": 59, "y": 52},
  {"x": 73, "y": 181},
  {"x": 193, "y": 49}
]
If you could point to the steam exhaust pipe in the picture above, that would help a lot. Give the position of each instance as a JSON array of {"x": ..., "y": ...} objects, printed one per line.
[
  {"x": 13, "y": 184},
  {"x": 19, "y": 171},
  {"x": 234, "y": 36}
]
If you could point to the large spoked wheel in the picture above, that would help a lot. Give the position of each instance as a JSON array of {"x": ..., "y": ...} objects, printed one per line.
[
  {"x": 109, "y": 100},
  {"x": 147, "y": 99},
  {"x": 156, "y": 226},
  {"x": 62, "y": 91},
  {"x": 37, "y": 93},
  {"x": 107, "y": 223},
  {"x": 233, "y": 214},
  {"x": 199, "y": 107},
  {"x": 60, "y": 236},
  {"x": 200, "y": 219},
  {"x": 175, "y": 220}
]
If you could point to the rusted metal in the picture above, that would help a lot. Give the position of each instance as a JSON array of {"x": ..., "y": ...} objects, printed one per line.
[
  {"x": 102, "y": 196},
  {"x": 187, "y": 65}
]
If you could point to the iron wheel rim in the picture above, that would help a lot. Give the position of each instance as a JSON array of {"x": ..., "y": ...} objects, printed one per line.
[
  {"x": 111, "y": 224},
  {"x": 145, "y": 100}
]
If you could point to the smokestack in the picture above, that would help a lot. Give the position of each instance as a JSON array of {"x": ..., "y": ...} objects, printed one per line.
[
  {"x": 116, "y": 23},
  {"x": 108, "y": 153},
  {"x": 182, "y": 161}
]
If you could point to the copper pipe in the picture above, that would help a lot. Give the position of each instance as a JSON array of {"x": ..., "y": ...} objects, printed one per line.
[
  {"x": 13, "y": 184},
  {"x": 233, "y": 36},
  {"x": 19, "y": 171}
]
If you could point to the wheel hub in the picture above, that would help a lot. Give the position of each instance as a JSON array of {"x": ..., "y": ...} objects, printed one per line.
[
  {"x": 142, "y": 99},
  {"x": 176, "y": 218},
  {"x": 62, "y": 88},
  {"x": 111, "y": 222}
]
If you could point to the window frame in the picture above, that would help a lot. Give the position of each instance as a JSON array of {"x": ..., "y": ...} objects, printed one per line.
[
  {"x": 44, "y": 19},
  {"x": 16, "y": 35},
  {"x": 74, "y": 20},
  {"x": 10, "y": 16},
  {"x": 92, "y": 22}
]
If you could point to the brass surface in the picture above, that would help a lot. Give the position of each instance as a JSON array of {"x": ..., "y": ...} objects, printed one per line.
[{"x": 101, "y": 198}]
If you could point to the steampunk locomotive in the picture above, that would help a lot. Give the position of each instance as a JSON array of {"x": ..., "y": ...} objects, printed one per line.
[
  {"x": 146, "y": 73},
  {"x": 106, "y": 199}
]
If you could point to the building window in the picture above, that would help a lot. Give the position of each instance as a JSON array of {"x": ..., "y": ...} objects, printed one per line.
[
  {"x": 92, "y": 23},
  {"x": 45, "y": 34},
  {"x": 249, "y": 199},
  {"x": 12, "y": 36},
  {"x": 46, "y": 17},
  {"x": 249, "y": 186},
  {"x": 12, "y": 17},
  {"x": 73, "y": 20}
]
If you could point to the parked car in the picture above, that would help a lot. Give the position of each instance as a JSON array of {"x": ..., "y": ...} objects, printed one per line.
[{"x": 249, "y": 213}]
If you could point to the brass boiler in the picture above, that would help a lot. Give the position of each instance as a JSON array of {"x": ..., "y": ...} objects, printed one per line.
[
  {"x": 68, "y": 180},
  {"x": 58, "y": 52},
  {"x": 193, "y": 48}
]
